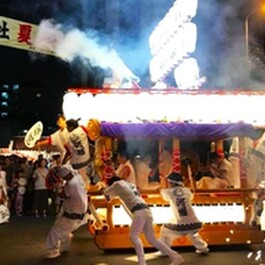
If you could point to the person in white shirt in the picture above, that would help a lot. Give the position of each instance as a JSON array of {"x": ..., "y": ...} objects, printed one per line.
[
  {"x": 41, "y": 193},
  {"x": 73, "y": 210},
  {"x": 185, "y": 221},
  {"x": 142, "y": 219},
  {"x": 142, "y": 170},
  {"x": 3, "y": 187},
  {"x": 125, "y": 169},
  {"x": 78, "y": 153},
  {"x": 222, "y": 168},
  {"x": 58, "y": 139},
  {"x": 222, "y": 174}
]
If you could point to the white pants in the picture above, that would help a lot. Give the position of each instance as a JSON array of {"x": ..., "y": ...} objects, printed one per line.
[
  {"x": 168, "y": 236},
  {"x": 60, "y": 231},
  {"x": 143, "y": 222}
]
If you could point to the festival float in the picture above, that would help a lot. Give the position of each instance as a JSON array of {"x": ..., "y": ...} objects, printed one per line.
[
  {"x": 148, "y": 116},
  {"x": 183, "y": 117}
]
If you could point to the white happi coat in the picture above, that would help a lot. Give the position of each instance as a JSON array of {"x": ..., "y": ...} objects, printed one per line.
[
  {"x": 142, "y": 219},
  {"x": 59, "y": 139},
  {"x": 79, "y": 147},
  {"x": 185, "y": 219},
  {"x": 74, "y": 203},
  {"x": 127, "y": 192}
]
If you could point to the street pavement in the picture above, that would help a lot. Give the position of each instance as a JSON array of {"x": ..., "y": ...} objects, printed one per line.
[{"x": 22, "y": 242}]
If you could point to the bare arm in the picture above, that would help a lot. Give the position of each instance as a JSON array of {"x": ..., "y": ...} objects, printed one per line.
[
  {"x": 125, "y": 172},
  {"x": 67, "y": 156},
  {"x": 44, "y": 142}
]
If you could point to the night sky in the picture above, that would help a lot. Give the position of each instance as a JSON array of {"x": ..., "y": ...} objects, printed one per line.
[
  {"x": 220, "y": 46},
  {"x": 220, "y": 39}
]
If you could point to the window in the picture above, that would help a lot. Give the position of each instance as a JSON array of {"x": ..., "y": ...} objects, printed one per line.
[{"x": 4, "y": 95}]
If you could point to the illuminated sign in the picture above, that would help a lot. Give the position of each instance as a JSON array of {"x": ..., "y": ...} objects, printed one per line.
[{"x": 172, "y": 41}]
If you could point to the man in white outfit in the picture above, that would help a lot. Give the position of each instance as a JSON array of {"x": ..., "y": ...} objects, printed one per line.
[
  {"x": 58, "y": 139},
  {"x": 142, "y": 219},
  {"x": 185, "y": 221},
  {"x": 73, "y": 211},
  {"x": 77, "y": 147},
  {"x": 125, "y": 169},
  {"x": 222, "y": 168}
]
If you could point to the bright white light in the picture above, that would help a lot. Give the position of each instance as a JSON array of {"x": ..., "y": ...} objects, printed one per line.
[
  {"x": 120, "y": 216},
  {"x": 142, "y": 106},
  {"x": 172, "y": 107},
  {"x": 160, "y": 85},
  {"x": 220, "y": 213},
  {"x": 159, "y": 104},
  {"x": 71, "y": 106},
  {"x": 161, "y": 214},
  {"x": 259, "y": 257},
  {"x": 189, "y": 32},
  {"x": 99, "y": 105},
  {"x": 228, "y": 100},
  {"x": 200, "y": 103},
  {"x": 188, "y": 9},
  {"x": 116, "y": 106},
  {"x": 127, "y": 105},
  {"x": 107, "y": 105},
  {"x": 187, "y": 74},
  {"x": 255, "y": 114},
  {"x": 180, "y": 13},
  {"x": 179, "y": 46},
  {"x": 206, "y": 214},
  {"x": 173, "y": 39},
  {"x": 86, "y": 107}
]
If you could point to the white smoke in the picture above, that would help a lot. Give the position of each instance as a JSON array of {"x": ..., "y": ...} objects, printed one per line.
[
  {"x": 48, "y": 37},
  {"x": 75, "y": 43}
]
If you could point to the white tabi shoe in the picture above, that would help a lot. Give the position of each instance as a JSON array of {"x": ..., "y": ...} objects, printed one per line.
[
  {"x": 202, "y": 251},
  {"x": 52, "y": 254}
]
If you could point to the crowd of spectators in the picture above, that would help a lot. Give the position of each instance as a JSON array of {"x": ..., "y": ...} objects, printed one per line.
[{"x": 22, "y": 186}]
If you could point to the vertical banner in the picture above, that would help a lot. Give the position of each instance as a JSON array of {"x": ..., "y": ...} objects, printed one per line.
[{"x": 18, "y": 34}]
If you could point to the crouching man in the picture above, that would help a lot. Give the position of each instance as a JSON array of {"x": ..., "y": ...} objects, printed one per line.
[
  {"x": 185, "y": 221},
  {"x": 142, "y": 219},
  {"x": 73, "y": 210}
]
